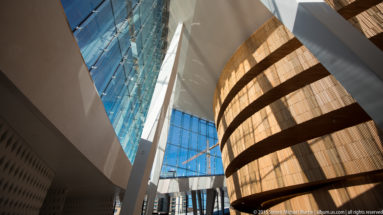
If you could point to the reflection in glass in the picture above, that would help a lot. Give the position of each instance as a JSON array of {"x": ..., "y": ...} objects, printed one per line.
[{"x": 122, "y": 43}]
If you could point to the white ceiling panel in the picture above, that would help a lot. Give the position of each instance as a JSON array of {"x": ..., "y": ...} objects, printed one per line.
[{"x": 214, "y": 29}]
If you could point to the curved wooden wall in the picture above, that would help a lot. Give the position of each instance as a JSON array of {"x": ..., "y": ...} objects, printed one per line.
[{"x": 291, "y": 137}]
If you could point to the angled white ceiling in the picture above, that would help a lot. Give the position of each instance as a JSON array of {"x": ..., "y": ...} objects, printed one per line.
[{"x": 214, "y": 29}]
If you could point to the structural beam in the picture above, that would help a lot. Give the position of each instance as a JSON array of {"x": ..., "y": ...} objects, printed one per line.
[
  {"x": 153, "y": 131},
  {"x": 135, "y": 191},
  {"x": 347, "y": 54},
  {"x": 178, "y": 185},
  {"x": 170, "y": 63}
]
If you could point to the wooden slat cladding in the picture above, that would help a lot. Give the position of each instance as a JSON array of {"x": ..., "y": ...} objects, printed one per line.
[
  {"x": 304, "y": 78},
  {"x": 279, "y": 195},
  {"x": 365, "y": 15},
  {"x": 327, "y": 123},
  {"x": 357, "y": 7},
  {"x": 291, "y": 136},
  {"x": 275, "y": 56},
  {"x": 350, "y": 10}
]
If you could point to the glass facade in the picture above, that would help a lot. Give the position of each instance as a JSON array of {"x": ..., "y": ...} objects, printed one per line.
[
  {"x": 183, "y": 203},
  {"x": 122, "y": 43},
  {"x": 186, "y": 153}
]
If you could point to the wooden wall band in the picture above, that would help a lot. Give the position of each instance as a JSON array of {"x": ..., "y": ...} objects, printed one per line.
[
  {"x": 347, "y": 12},
  {"x": 263, "y": 169},
  {"x": 357, "y": 7},
  {"x": 268, "y": 61},
  {"x": 270, "y": 198},
  {"x": 304, "y": 78},
  {"x": 325, "y": 124}
]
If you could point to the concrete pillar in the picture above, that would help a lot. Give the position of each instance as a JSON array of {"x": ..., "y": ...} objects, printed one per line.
[
  {"x": 210, "y": 197},
  {"x": 347, "y": 54}
]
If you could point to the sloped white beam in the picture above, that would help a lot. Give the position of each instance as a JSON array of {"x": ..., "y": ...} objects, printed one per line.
[
  {"x": 160, "y": 152},
  {"x": 153, "y": 129},
  {"x": 179, "y": 185}
]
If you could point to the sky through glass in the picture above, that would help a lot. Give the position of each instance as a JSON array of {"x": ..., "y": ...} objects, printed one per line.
[{"x": 188, "y": 137}]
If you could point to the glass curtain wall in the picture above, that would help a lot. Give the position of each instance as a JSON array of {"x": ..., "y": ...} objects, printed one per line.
[
  {"x": 122, "y": 44},
  {"x": 186, "y": 154},
  {"x": 187, "y": 204},
  {"x": 178, "y": 205}
]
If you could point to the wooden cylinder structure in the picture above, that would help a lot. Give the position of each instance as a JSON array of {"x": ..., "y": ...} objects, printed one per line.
[{"x": 291, "y": 136}]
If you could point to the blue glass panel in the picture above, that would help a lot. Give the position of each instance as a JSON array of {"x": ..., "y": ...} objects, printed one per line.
[
  {"x": 139, "y": 46},
  {"x": 194, "y": 124},
  {"x": 203, "y": 128},
  {"x": 121, "y": 9},
  {"x": 202, "y": 142},
  {"x": 185, "y": 142},
  {"x": 106, "y": 65},
  {"x": 96, "y": 33},
  {"x": 176, "y": 136},
  {"x": 186, "y": 122},
  {"x": 211, "y": 130},
  {"x": 194, "y": 141},
  {"x": 124, "y": 39},
  {"x": 134, "y": 2},
  {"x": 112, "y": 96},
  {"x": 128, "y": 61},
  {"x": 181, "y": 172},
  {"x": 121, "y": 44},
  {"x": 184, "y": 138},
  {"x": 136, "y": 17},
  {"x": 77, "y": 11},
  {"x": 177, "y": 118},
  {"x": 173, "y": 152},
  {"x": 182, "y": 157}
]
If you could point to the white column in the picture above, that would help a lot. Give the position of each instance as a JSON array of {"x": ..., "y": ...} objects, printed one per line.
[
  {"x": 173, "y": 53},
  {"x": 154, "y": 129},
  {"x": 345, "y": 52},
  {"x": 157, "y": 164}
]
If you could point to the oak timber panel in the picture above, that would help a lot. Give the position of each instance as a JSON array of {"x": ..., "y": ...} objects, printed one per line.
[
  {"x": 365, "y": 15},
  {"x": 248, "y": 110}
]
